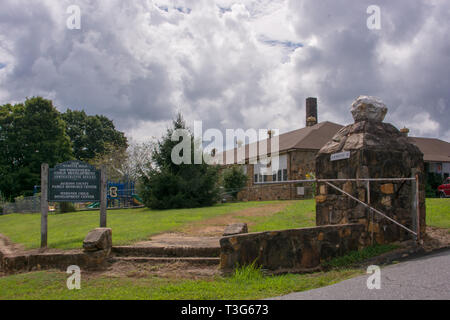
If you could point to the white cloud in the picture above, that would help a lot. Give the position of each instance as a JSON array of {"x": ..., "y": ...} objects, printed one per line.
[
  {"x": 422, "y": 125},
  {"x": 230, "y": 63}
]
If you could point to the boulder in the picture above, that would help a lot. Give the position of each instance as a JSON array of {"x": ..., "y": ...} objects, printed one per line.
[
  {"x": 97, "y": 240},
  {"x": 234, "y": 229},
  {"x": 367, "y": 108}
]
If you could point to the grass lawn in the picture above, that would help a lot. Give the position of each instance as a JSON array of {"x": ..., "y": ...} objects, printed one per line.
[
  {"x": 244, "y": 285},
  {"x": 301, "y": 214},
  {"x": 67, "y": 231},
  {"x": 438, "y": 213}
]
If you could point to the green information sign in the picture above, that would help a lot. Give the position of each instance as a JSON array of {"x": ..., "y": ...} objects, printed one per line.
[{"x": 74, "y": 181}]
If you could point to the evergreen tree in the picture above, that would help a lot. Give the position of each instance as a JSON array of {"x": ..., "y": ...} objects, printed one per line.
[{"x": 168, "y": 185}]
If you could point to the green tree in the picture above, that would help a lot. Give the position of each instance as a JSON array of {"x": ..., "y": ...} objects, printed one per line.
[
  {"x": 433, "y": 181},
  {"x": 234, "y": 180},
  {"x": 167, "y": 185},
  {"x": 31, "y": 133},
  {"x": 92, "y": 136}
]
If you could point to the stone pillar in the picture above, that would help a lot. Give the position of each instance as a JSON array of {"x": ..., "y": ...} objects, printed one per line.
[{"x": 377, "y": 150}]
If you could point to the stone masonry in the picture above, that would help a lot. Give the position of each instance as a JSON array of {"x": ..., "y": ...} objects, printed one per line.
[
  {"x": 295, "y": 250},
  {"x": 378, "y": 150}
]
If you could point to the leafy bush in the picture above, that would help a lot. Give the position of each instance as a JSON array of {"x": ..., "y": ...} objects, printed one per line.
[
  {"x": 359, "y": 256},
  {"x": 66, "y": 207},
  {"x": 434, "y": 180},
  {"x": 234, "y": 180}
]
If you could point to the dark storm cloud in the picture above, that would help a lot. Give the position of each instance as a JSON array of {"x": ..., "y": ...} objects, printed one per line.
[
  {"x": 141, "y": 62},
  {"x": 406, "y": 63}
]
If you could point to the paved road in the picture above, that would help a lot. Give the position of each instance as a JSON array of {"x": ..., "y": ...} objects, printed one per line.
[{"x": 422, "y": 278}]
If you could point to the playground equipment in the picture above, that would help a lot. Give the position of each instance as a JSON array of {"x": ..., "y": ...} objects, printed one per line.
[{"x": 122, "y": 194}]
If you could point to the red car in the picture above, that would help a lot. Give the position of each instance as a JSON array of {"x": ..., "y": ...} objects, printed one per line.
[{"x": 444, "y": 190}]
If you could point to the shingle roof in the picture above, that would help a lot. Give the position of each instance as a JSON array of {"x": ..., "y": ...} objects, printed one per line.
[
  {"x": 311, "y": 138},
  {"x": 315, "y": 137},
  {"x": 434, "y": 150}
]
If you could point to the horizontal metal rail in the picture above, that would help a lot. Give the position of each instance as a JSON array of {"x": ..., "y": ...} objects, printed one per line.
[{"x": 335, "y": 180}]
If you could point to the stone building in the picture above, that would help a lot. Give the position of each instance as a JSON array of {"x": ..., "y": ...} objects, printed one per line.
[
  {"x": 436, "y": 155},
  {"x": 296, "y": 160}
]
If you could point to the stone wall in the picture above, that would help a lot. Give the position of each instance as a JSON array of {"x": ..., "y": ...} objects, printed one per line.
[
  {"x": 267, "y": 192},
  {"x": 32, "y": 262},
  {"x": 97, "y": 248},
  {"x": 294, "y": 250}
]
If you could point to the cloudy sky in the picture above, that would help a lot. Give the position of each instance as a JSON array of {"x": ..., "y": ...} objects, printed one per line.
[{"x": 232, "y": 64}]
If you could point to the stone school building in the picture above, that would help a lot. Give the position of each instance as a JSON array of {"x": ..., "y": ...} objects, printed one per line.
[{"x": 297, "y": 159}]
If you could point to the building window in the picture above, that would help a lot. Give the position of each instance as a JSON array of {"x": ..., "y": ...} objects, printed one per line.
[{"x": 278, "y": 168}]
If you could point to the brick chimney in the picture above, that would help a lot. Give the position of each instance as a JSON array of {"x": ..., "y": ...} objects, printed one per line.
[{"x": 311, "y": 112}]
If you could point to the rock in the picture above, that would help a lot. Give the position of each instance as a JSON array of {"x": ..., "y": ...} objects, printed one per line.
[
  {"x": 348, "y": 187},
  {"x": 367, "y": 108},
  {"x": 321, "y": 198},
  {"x": 234, "y": 229},
  {"x": 355, "y": 141},
  {"x": 387, "y": 188},
  {"x": 97, "y": 240}
]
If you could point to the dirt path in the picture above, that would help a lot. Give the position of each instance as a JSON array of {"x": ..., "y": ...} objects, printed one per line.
[
  {"x": 207, "y": 233},
  {"x": 215, "y": 226},
  {"x": 9, "y": 248},
  {"x": 176, "y": 270},
  {"x": 436, "y": 238}
]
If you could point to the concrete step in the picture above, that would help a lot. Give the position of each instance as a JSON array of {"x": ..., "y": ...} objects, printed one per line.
[
  {"x": 135, "y": 251},
  {"x": 159, "y": 260}
]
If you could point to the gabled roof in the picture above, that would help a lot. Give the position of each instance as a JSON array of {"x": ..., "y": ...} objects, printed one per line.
[
  {"x": 434, "y": 150},
  {"x": 308, "y": 138},
  {"x": 315, "y": 137}
]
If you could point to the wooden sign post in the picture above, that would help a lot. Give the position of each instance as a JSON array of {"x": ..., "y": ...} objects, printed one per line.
[
  {"x": 72, "y": 181},
  {"x": 103, "y": 199},
  {"x": 44, "y": 204}
]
